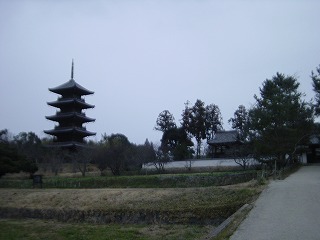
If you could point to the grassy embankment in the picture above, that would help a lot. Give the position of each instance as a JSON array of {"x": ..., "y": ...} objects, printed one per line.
[{"x": 198, "y": 205}]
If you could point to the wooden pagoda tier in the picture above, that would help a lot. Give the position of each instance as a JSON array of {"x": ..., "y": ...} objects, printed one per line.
[
  {"x": 72, "y": 102},
  {"x": 70, "y": 132},
  {"x": 64, "y": 133},
  {"x": 70, "y": 116}
]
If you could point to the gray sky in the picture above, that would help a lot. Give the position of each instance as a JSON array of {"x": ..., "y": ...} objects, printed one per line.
[{"x": 141, "y": 57}]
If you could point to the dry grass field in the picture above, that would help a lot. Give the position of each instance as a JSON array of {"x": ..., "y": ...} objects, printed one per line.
[
  {"x": 182, "y": 203},
  {"x": 131, "y": 198}
]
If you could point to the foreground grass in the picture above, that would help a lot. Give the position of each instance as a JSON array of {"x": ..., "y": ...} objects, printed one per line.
[{"x": 39, "y": 229}]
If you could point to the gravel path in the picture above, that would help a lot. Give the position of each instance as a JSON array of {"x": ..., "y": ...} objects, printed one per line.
[{"x": 287, "y": 209}]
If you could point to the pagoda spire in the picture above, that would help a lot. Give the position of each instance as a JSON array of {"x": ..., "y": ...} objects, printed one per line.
[{"x": 72, "y": 70}]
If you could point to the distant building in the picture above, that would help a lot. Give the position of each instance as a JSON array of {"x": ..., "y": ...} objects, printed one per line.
[
  {"x": 70, "y": 132},
  {"x": 223, "y": 143},
  {"x": 310, "y": 152}
]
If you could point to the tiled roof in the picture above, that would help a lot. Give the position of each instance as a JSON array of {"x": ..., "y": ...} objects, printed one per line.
[
  {"x": 71, "y": 85},
  {"x": 224, "y": 137}
]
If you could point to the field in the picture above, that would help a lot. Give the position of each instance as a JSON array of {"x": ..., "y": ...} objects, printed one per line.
[{"x": 137, "y": 212}]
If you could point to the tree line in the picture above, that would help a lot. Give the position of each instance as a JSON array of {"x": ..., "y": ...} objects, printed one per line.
[
  {"x": 271, "y": 131},
  {"x": 198, "y": 121},
  {"x": 18, "y": 153},
  {"x": 26, "y": 152}
]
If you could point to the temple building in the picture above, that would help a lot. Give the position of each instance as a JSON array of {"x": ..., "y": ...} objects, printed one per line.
[
  {"x": 224, "y": 143},
  {"x": 70, "y": 132}
]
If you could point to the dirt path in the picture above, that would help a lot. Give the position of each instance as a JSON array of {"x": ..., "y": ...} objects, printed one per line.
[{"x": 287, "y": 209}]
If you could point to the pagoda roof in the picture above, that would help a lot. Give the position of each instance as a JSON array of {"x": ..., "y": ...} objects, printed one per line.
[
  {"x": 69, "y": 130},
  {"x": 72, "y": 115},
  {"x": 67, "y": 101},
  {"x": 71, "y": 86}
]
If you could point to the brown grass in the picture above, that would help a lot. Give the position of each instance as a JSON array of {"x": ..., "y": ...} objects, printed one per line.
[
  {"x": 86, "y": 199},
  {"x": 204, "y": 205},
  {"x": 81, "y": 199}
]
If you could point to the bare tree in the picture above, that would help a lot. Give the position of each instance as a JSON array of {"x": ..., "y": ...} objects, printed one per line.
[
  {"x": 54, "y": 158},
  {"x": 161, "y": 159},
  {"x": 81, "y": 157},
  {"x": 188, "y": 164},
  {"x": 242, "y": 156},
  {"x": 99, "y": 156}
]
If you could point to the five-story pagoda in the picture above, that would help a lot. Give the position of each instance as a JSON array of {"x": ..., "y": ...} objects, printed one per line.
[{"x": 70, "y": 132}]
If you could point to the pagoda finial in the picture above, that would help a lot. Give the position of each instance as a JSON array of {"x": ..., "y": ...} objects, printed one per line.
[{"x": 72, "y": 70}]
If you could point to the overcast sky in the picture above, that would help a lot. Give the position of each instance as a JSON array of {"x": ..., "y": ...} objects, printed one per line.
[{"x": 141, "y": 57}]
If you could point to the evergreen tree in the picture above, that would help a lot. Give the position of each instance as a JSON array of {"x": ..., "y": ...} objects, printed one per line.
[
  {"x": 316, "y": 87},
  {"x": 178, "y": 143},
  {"x": 213, "y": 120},
  {"x": 240, "y": 122},
  {"x": 115, "y": 150},
  {"x": 11, "y": 160},
  {"x": 194, "y": 122},
  {"x": 165, "y": 121},
  {"x": 279, "y": 119}
]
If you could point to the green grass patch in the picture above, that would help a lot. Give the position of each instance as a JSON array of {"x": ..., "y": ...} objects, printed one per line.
[
  {"x": 40, "y": 229},
  {"x": 139, "y": 181}
]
